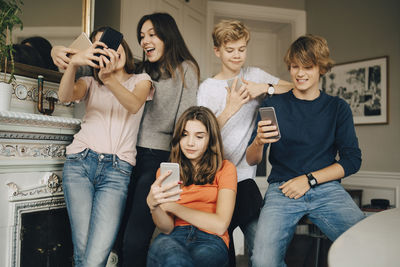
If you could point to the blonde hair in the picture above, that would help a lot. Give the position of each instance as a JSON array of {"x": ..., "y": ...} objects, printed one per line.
[
  {"x": 211, "y": 161},
  {"x": 229, "y": 30},
  {"x": 310, "y": 50}
]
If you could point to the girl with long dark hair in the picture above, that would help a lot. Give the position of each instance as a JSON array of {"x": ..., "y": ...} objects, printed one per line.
[
  {"x": 100, "y": 159},
  {"x": 175, "y": 75}
]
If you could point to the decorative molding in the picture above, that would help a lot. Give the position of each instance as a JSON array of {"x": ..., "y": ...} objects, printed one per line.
[
  {"x": 50, "y": 186},
  {"x": 29, "y": 119},
  {"x": 18, "y": 151},
  {"x": 25, "y": 156},
  {"x": 35, "y": 136}
]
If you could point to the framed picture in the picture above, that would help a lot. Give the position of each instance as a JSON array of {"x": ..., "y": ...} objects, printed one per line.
[{"x": 363, "y": 84}]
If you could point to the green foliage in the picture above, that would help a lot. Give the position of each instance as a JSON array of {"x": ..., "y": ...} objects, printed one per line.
[{"x": 9, "y": 19}]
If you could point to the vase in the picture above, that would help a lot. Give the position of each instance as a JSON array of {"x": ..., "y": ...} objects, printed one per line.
[{"x": 5, "y": 96}]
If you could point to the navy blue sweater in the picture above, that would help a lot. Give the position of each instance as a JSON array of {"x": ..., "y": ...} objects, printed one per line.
[{"x": 313, "y": 134}]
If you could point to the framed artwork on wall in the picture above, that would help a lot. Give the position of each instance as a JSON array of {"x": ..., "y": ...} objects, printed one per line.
[{"x": 364, "y": 86}]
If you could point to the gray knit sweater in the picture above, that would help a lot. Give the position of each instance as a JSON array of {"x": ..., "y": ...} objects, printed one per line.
[{"x": 170, "y": 100}]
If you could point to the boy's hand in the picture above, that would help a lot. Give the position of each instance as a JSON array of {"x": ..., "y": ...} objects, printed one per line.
[
  {"x": 266, "y": 133},
  {"x": 235, "y": 99},
  {"x": 255, "y": 89},
  {"x": 296, "y": 187}
]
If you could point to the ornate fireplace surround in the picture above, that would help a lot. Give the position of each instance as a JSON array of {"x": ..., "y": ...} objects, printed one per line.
[{"x": 32, "y": 153}]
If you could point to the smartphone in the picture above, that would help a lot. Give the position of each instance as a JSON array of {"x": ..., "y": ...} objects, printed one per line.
[
  {"x": 173, "y": 177},
  {"x": 238, "y": 83},
  {"x": 268, "y": 113},
  {"x": 82, "y": 42},
  {"x": 112, "y": 38}
]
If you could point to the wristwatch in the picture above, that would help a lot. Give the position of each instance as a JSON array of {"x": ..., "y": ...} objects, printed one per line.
[
  {"x": 270, "y": 90},
  {"x": 311, "y": 180}
]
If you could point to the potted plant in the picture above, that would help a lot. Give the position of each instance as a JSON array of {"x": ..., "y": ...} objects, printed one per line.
[{"x": 9, "y": 18}]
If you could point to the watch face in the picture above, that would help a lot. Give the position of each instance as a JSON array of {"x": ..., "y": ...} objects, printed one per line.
[
  {"x": 21, "y": 92},
  {"x": 313, "y": 182},
  {"x": 271, "y": 90}
]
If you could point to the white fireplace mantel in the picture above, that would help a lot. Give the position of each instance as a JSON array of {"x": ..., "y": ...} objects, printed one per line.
[{"x": 34, "y": 142}]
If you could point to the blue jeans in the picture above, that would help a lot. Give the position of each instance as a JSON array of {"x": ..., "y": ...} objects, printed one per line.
[
  {"x": 95, "y": 189},
  {"x": 327, "y": 205},
  {"x": 187, "y": 246}
]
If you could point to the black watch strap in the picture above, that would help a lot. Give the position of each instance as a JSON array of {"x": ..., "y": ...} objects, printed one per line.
[{"x": 311, "y": 180}]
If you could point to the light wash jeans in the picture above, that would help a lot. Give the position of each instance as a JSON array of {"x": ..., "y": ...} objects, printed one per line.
[
  {"x": 187, "y": 246},
  {"x": 95, "y": 189},
  {"x": 327, "y": 205}
]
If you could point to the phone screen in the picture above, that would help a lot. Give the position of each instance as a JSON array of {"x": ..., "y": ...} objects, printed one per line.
[
  {"x": 112, "y": 38},
  {"x": 268, "y": 113},
  {"x": 173, "y": 177}
]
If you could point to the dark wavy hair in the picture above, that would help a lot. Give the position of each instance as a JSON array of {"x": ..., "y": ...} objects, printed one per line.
[
  {"x": 129, "y": 63},
  {"x": 175, "y": 49},
  {"x": 43, "y": 47},
  {"x": 212, "y": 159}
]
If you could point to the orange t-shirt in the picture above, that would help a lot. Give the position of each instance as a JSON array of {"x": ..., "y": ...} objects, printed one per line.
[{"x": 204, "y": 197}]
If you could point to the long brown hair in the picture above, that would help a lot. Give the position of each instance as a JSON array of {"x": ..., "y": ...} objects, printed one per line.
[
  {"x": 129, "y": 63},
  {"x": 211, "y": 160},
  {"x": 175, "y": 49}
]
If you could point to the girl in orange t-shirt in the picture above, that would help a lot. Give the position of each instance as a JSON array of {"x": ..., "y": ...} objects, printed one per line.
[{"x": 194, "y": 228}]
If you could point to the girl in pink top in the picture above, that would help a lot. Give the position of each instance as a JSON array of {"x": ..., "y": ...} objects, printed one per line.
[
  {"x": 194, "y": 228},
  {"x": 100, "y": 159}
]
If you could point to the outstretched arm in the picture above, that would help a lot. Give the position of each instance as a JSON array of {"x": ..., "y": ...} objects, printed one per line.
[
  {"x": 257, "y": 89},
  {"x": 69, "y": 90}
]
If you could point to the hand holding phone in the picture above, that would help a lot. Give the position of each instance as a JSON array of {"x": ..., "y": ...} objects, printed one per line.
[
  {"x": 173, "y": 177},
  {"x": 268, "y": 113},
  {"x": 112, "y": 38},
  {"x": 238, "y": 83}
]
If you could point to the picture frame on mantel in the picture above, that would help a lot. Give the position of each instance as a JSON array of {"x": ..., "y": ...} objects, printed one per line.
[{"x": 363, "y": 85}]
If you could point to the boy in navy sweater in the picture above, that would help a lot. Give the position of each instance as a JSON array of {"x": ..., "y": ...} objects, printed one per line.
[{"x": 305, "y": 175}]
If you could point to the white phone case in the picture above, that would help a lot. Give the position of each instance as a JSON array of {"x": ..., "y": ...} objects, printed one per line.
[{"x": 173, "y": 177}]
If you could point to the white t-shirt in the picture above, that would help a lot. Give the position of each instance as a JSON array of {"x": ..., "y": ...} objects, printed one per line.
[{"x": 237, "y": 130}]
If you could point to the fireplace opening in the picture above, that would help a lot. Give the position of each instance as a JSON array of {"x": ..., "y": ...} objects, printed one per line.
[{"x": 46, "y": 239}]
